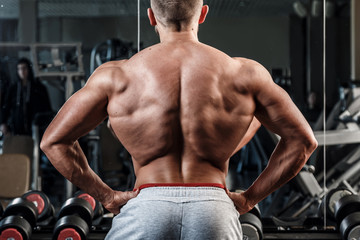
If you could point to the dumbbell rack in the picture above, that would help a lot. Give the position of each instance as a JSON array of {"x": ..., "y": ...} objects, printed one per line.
[
  {"x": 271, "y": 231},
  {"x": 97, "y": 232},
  {"x": 305, "y": 228},
  {"x": 46, "y": 223}
]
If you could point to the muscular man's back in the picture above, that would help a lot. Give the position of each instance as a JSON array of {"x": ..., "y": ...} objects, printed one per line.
[{"x": 180, "y": 109}]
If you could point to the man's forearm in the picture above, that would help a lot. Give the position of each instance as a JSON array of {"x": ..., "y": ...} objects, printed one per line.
[
  {"x": 71, "y": 162},
  {"x": 285, "y": 163}
]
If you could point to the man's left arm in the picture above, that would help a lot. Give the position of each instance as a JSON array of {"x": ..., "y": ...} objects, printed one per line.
[{"x": 80, "y": 114}]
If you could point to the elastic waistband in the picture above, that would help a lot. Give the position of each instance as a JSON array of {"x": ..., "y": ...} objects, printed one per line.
[{"x": 149, "y": 185}]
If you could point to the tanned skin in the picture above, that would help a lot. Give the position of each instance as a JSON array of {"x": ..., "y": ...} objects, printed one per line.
[{"x": 182, "y": 109}]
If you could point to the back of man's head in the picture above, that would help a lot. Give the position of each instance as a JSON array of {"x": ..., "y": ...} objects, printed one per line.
[{"x": 176, "y": 13}]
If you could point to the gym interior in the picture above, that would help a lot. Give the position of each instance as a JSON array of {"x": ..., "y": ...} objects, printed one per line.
[{"x": 310, "y": 47}]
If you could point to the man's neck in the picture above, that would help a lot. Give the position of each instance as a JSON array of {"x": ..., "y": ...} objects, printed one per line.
[{"x": 173, "y": 36}]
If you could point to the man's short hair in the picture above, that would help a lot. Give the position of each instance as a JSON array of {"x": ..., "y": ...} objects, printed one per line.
[{"x": 176, "y": 13}]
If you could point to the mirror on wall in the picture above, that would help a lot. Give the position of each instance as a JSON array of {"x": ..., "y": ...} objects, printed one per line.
[{"x": 67, "y": 40}]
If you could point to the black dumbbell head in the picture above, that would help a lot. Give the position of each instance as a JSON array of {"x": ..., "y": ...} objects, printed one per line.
[
  {"x": 251, "y": 226},
  {"x": 24, "y": 208},
  {"x": 96, "y": 206},
  {"x": 256, "y": 211},
  {"x": 70, "y": 227},
  {"x": 329, "y": 201},
  {"x": 79, "y": 207},
  {"x": 346, "y": 206},
  {"x": 350, "y": 226},
  {"x": 15, "y": 227},
  {"x": 42, "y": 203}
]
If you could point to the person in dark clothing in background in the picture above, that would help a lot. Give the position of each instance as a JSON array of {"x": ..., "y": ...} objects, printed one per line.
[
  {"x": 23, "y": 100},
  {"x": 4, "y": 83}
]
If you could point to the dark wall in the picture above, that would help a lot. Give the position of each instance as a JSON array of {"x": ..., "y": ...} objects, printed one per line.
[
  {"x": 264, "y": 39},
  {"x": 8, "y": 30},
  {"x": 275, "y": 42}
]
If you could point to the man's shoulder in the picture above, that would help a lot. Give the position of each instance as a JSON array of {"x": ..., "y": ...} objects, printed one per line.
[
  {"x": 252, "y": 67},
  {"x": 247, "y": 62},
  {"x": 107, "y": 74},
  {"x": 109, "y": 69},
  {"x": 251, "y": 74},
  {"x": 112, "y": 64}
]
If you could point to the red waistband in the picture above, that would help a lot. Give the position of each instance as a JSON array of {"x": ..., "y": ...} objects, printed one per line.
[{"x": 148, "y": 185}]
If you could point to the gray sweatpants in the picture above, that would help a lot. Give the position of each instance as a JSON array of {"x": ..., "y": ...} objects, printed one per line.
[{"x": 177, "y": 213}]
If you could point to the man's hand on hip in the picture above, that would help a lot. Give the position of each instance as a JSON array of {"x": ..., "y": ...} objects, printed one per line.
[
  {"x": 241, "y": 203},
  {"x": 119, "y": 199}
]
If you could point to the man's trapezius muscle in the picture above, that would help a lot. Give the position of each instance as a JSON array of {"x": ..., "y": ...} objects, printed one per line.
[{"x": 181, "y": 109}]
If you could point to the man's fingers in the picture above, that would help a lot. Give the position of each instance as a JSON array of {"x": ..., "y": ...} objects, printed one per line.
[
  {"x": 120, "y": 199},
  {"x": 231, "y": 194},
  {"x": 130, "y": 194},
  {"x": 124, "y": 197},
  {"x": 239, "y": 202},
  {"x": 234, "y": 196}
]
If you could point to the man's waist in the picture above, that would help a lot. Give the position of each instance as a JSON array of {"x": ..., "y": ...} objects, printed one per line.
[{"x": 150, "y": 185}]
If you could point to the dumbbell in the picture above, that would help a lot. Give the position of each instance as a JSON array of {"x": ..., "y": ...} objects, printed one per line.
[
  {"x": 20, "y": 218},
  {"x": 74, "y": 220},
  {"x": 95, "y": 205},
  {"x": 347, "y": 214},
  {"x": 329, "y": 201},
  {"x": 44, "y": 207},
  {"x": 251, "y": 224}
]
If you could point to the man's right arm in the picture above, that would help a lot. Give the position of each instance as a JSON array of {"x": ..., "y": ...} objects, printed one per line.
[
  {"x": 81, "y": 113},
  {"x": 276, "y": 111}
]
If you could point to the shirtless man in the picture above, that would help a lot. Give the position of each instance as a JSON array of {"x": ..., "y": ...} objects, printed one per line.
[{"x": 181, "y": 108}]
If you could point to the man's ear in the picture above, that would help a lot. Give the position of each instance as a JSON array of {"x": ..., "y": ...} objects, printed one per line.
[
  {"x": 204, "y": 12},
  {"x": 151, "y": 17}
]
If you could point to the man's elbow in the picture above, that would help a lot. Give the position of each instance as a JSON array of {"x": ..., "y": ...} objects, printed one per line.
[
  {"x": 45, "y": 145},
  {"x": 307, "y": 146},
  {"x": 310, "y": 143}
]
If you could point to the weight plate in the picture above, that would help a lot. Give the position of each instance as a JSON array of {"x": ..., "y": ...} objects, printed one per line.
[
  {"x": 96, "y": 206},
  {"x": 77, "y": 206},
  {"x": 253, "y": 220},
  {"x": 345, "y": 206},
  {"x": 250, "y": 232},
  {"x": 12, "y": 234},
  {"x": 24, "y": 208},
  {"x": 334, "y": 196},
  {"x": 71, "y": 222},
  {"x": 350, "y": 224},
  {"x": 354, "y": 233},
  {"x": 330, "y": 200},
  {"x": 69, "y": 233},
  {"x": 16, "y": 222},
  {"x": 42, "y": 203},
  {"x": 88, "y": 198},
  {"x": 256, "y": 211}
]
